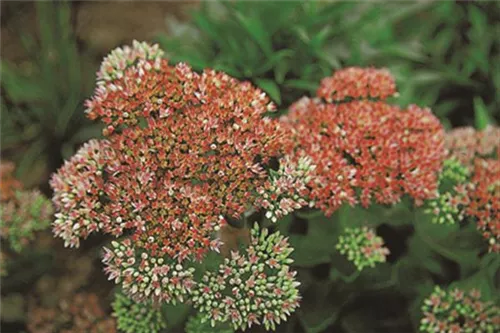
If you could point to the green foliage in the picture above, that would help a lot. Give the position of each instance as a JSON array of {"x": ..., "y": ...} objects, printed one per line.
[
  {"x": 132, "y": 317},
  {"x": 286, "y": 47},
  {"x": 282, "y": 47},
  {"x": 42, "y": 98}
]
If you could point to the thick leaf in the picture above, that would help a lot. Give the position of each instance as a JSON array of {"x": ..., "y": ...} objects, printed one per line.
[
  {"x": 271, "y": 88},
  {"x": 317, "y": 311},
  {"x": 302, "y": 84},
  {"x": 481, "y": 117},
  {"x": 317, "y": 245},
  {"x": 257, "y": 31},
  {"x": 175, "y": 315}
]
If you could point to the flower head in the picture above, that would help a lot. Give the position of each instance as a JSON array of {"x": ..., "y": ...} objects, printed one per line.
[
  {"x": 466, "y": 144},
  {"x": 183, "y": 151},
  {"x": 362, "y": 247},
  {"x": 22, "y": 212},
  {"x": 449, "y": 206},
  {"x": 79, "y": 187},
  {"x": 255, "y": 287},
  {"x": 120, "y": 59},
  {"x": 286, "y": 190},
  {"x": 145, "y": 276},
  {"x": 22, "y": 216},
  {"x": 484, "y": 196},
  {"x": 355, "y": 82},
  {"x": 367, "y": 150},
  {"x": 458, "y": 311}
]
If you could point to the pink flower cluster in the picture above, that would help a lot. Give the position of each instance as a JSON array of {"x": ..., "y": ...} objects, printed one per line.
[
  {"x": 355, "y": 82},
  {"x": 366, "y": 150},
  {"x": 183, "y": 151},
  {"x": 484, "y": 200},
  {"x": 286, "y": 190},
  {"x": 479, "y": 195},
  {"x": 466, "y": 144},
  {"x": 78, "y": 191}
]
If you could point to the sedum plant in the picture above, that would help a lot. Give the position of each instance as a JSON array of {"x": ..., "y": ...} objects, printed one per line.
[
  {"x": 186, "y": 155},
  {"x": 23, "y": 213}
]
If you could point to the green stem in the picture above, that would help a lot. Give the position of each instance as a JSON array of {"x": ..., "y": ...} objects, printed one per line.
[{"x": 346, "y": 278}]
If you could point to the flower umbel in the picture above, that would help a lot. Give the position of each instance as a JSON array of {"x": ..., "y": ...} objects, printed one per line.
[
  {"x": 286, "y": 190},
  {"x": 254, "y": 287},
  {"x": 367, "y": 150},
  {"x": 484, "y": 196},
  {"x": 362, "y": 247},
  {"x": 355, "y": 82},
  {"x": 146, "y": 276},
  {"x": 183, "y": 152},
  {"x": 466, "y": 144},
  {"x": 449, "y": 206},
  {"x": 458, "y": 311}
]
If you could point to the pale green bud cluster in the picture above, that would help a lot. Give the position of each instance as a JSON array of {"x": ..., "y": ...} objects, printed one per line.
[
  {"x": 132, "y": 317},
  {"x": 459, "y": 311},
  {"x": 256, "y": 287},
  {"x": 362, "y": 247}
]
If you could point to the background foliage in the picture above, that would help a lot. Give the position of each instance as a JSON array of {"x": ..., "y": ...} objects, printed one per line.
[{"x": 444, "y": 54}]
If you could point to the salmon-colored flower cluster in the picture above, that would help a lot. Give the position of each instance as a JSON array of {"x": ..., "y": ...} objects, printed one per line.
[
  {"x": 459, "y": 311},
  {"x": 255, "y": 287},
  {"x": 367, "y": 150},
  {"x": 8, "y": 183},
  {"x": 484, "y": 196},
  {"x": 474, "y": 168},
  {"x": 356, "y": 82},
  {"x": 183, "y": 152},
  {"x": 466, "y": 144}
]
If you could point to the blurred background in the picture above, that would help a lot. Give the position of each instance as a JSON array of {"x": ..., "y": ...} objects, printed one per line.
[{"x": 444, "y": 54}]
